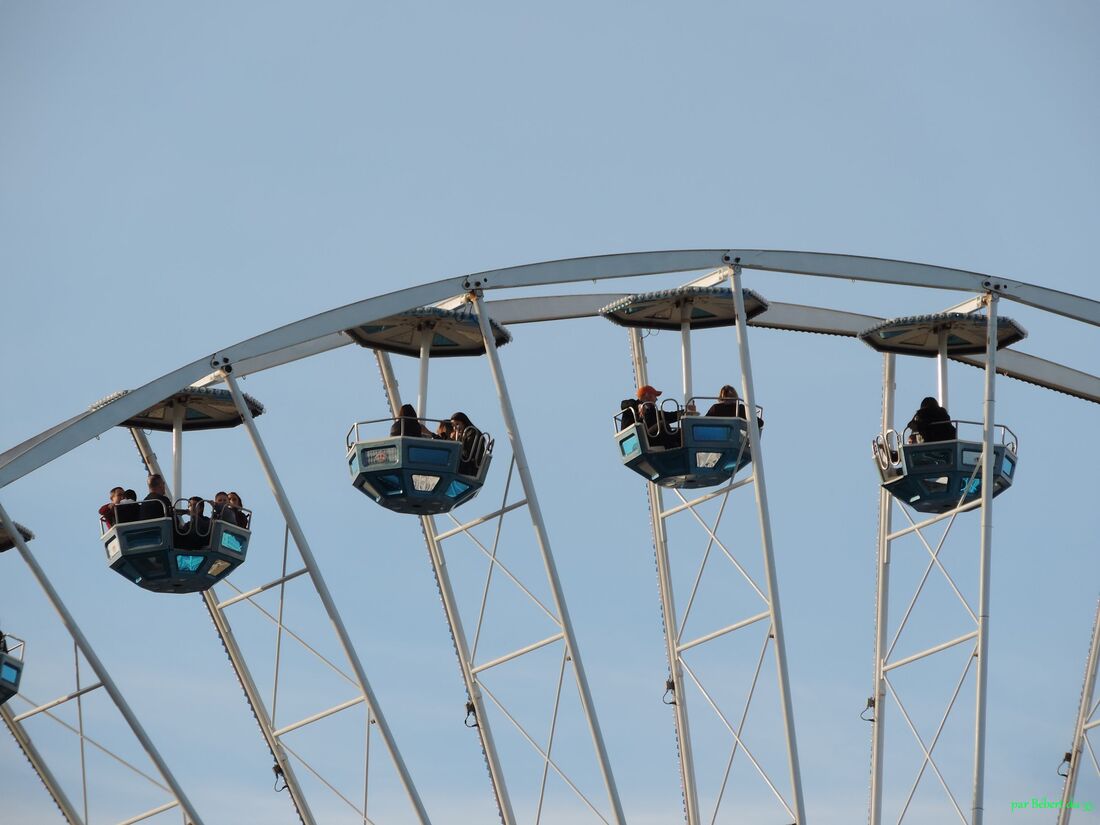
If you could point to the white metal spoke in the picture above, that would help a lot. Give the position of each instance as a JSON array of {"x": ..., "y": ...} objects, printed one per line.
[
  {"x": 515, "y": 654},
  {"x": 279, "y": 626},
  {"x": 550, "y": 737},
  {"x": 1092, "y": 753},
  {"x": 57, "y": 702},
  {"x": 886, "y": 667},
  {"x": 721, "y": 491},
  {"x": 699, "y": 575},
  {"x": 492, "y": 558},
  {"x": 167, "y": 806},
  {"x": 723, "y": 631},
  {"x": 740, "y": 728},
  {"x": 934, "y": 556},
  {"x": 936, "y": 736},
  {"x": 736, "y": 737},
  {"x": 546, "y": 756},
  {"x": 317, "y": 775},
  {"x": 724, "y": 549},
  {"x": 927, "y": 756},
  {"x": 309, "y": 720}
]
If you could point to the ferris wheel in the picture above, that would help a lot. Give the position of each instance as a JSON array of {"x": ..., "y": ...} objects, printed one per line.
[{"x": 700, "y": 462}]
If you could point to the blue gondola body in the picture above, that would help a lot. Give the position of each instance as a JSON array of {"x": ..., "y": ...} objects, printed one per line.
[
  {"x": 11, "y": 671},
  {"x": 422, "y": 476},
  {"x": 711, "y": 450},
  {"x": 159, "y": 553},
  {"x": 938, "y": 476}
]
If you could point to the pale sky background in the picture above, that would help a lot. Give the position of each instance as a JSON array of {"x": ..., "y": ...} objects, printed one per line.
[{"x": 177, "y": 177}]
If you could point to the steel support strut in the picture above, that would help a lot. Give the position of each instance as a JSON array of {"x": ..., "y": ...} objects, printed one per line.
[
  {"x": 882, "y": 605},
  {"x": 53, "y": 787},
  {"x": 543, "y": 541},
  {"x": 100, "y": 670},
  {"x": 450, "y": 606},
  {"x": 766, "y": 540},
  {"x": 977, "y": 808},
  {"x": 232, "y": 649},
  {"x": 1085, "y": 721},
  {"x": 668, "y": 604},
  {"x": 319, "y": 584}
]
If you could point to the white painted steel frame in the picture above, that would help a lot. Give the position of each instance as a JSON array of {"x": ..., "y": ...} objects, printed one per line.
[
  {"x": 229, "y": 641},
  {"x": 450, "y": 604},
  {"x": 105, "y": 681},
  {"x": 310, "y": 335},
  {"x": 1088, "y": 717},
  {"x": 542, "y": 539},
  {"x": 309, "y": 561},
  {"x": 883, "y": 649}
]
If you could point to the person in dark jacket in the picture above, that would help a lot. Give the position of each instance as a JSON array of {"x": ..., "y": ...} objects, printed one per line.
[
  {"x": 158, "y": 491},
  {"x": 932, "y": 422},
  {"x": 407, "y": 423},
  {"x": 644, "y": 407},
  {"x": 730, "y": 406},
  {"x": 464, "y": 432}
]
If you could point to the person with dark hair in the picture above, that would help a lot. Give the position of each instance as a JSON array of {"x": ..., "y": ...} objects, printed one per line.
[
  {"x": 234, "y": 511},
  {"x": 445, "y": 431},
  {"x": 158, "y": 491},
  {"x": 200, "y": 523},
  {"x": 3, "y": 642},
  {"x": 729, "y": 405},
  {"x": 469, "y": 436},
  {"x": 107, "y": 511},
  {"x": 221, "y": 498},
  {"x": 932, "y": 422},
  {"x": 407, "y": 423},
  {"x": 129, "y": 497}
]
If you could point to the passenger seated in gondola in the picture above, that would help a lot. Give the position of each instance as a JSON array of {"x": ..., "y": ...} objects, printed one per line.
[
  {"x": 234, "y": 512},
  {"x": 221, "y": 498},
  {"x": 3, "y": 642},
  {"x": 129, "y": 497},
  {"x": 445, "y": 431},
  {"x": 644, "y": 408},
  {"x": 158, "y": 491},
  {"x": 199, "y": 522},
  {"x": 730, "y": 406},
  {"x": 407, "y": 423},
  {"x": 469, "y": 436},
  {"x": 107, "y": 511},
  {"x": 931, "y": 423}
]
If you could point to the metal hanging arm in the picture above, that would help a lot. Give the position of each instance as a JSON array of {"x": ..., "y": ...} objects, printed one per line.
[
  {"x": 766, "y": 540},
  {"x": 543, "y": 542},
  {"x": 310, "y": 562}
]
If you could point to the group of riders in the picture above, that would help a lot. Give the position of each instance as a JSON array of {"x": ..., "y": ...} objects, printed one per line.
[{"x": 224, "y": 506}]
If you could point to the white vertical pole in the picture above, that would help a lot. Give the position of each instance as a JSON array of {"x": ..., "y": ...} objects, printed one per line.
[
  {"x": 543, "y": 541},
  {"x": 669, "y": 615},
  {"x": 323, "y": 593},
  {"x": 40, "y": 767},
  {"x": 100, "y": 671},
  {"x": 240, "y": 666},
  {"x": 178, "y": 411},
  {"x": 458, "y": 631},
  {"x": 941, "y": 369},
  {"x": 425, "y": 353},
  {"x": 685, "y": 348},
  {"x": 882, "y": 605},
  {"x": 766, "y": 539},
  {"x": 1078, "y": 749},
  {"x": 977, "y": 813}
]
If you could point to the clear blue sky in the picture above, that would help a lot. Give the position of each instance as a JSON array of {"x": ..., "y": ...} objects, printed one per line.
[{"x": 177, "y": 177}]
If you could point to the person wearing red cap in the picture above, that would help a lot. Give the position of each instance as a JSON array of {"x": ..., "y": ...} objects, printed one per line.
[{"x": 644, "y": 408}]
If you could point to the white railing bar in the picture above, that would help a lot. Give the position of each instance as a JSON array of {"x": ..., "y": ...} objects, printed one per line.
[
  {"x": 544, "y": 755},
  {"x": 362, "y": 814},
  {"x": 706, "y": 497},
  {"x": 255, "y": 591},
  {"x": 102, "y": 748},
  {"x": 944, "y": 646},
  {"x": 167, "y": 806},
  {"x": 927, "y": 755},
  {"x": 59, "y": 701},
  {"x": 740, "y": 729},
  {"x": 301, "y": 723},
  {"x": 936, "y": 560},
  {"x": 297, "y": 638},
  {"x": 699, "y": 573},
  {"x": 737, "y": 738},
  {"x": 515, "y": 654},
  {"x": 454, "y": 531},
  {"x": 936, "y": 737},
  {"x": 729, "y": 629},
  {"x": 897, "y": 534},
  {"x": 729, "y": 555}
]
